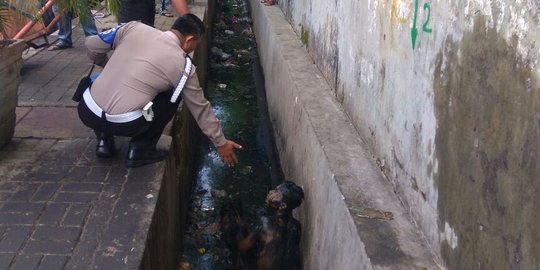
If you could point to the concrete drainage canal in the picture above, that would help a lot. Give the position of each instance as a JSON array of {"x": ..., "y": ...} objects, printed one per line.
[{"x": 236, "y": 90}]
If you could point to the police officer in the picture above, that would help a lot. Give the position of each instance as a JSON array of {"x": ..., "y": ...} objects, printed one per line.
[{"x": 140, "y": 88}]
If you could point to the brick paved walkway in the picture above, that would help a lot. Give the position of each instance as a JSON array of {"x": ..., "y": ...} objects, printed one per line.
[{"x": 60, "y": 206}]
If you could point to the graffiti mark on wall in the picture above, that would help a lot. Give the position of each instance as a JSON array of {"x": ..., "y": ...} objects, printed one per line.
[{"x": 425, "y": 26}]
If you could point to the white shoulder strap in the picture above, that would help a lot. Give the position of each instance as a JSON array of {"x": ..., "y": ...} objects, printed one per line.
[{"x": 183, "y": 80}]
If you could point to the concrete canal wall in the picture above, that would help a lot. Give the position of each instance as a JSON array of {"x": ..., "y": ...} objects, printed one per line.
[
  {"x": 442, "y": 97},
  {"x": 164, "y": 239}
]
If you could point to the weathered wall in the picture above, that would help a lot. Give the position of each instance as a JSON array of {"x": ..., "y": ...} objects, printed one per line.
[{"x": 447, "y": 95}]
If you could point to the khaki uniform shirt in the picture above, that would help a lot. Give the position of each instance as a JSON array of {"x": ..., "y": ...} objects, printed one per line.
[{"x": 145, "y": 62}]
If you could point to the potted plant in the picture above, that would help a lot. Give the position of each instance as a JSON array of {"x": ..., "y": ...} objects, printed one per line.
[
  {"x": 10, "y": 65},
  {"x": 14, "y": 15}
]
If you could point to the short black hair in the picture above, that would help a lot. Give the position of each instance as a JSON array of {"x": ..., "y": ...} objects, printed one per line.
[
  {"x": 292, "y": 194},
  {"x": 189, "y": 25}
]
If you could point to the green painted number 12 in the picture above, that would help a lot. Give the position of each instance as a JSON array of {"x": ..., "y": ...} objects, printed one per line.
[{"x": 425, "y": 27}]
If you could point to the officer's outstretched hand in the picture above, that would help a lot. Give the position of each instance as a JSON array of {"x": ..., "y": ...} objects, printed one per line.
[{"x": 226, "y": 152}]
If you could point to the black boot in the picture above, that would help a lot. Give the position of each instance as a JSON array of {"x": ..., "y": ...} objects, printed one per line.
[
  {"x": 105, "y": 146},
  {"x": 137, "y": 157}
]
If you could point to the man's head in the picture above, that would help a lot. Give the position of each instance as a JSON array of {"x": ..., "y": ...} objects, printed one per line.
[
  {"x": 285, "y": 196},
  {"x": 191, "y": 29}
]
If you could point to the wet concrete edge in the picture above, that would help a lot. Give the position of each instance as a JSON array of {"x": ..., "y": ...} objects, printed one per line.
[{"x": 164, "y": 239}]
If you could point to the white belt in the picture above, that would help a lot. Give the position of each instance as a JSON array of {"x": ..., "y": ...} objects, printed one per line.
[
  {"x": 183, "y": 80},
  {"x": 114, "y": 118}
]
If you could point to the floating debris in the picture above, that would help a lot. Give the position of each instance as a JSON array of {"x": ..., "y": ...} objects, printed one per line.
[
  {"x": 247, "y": 32},
  {"x": 246, "y": 170},
  {"x": 207, "y": 208},
  {"x": 217, "y": 193},
  {"x": 229, "y": 63},
  {"x": 219, "y": 52},
  {"x": 184, "y": 265},
  {"x": 221, "y": 86},
  {"x": 245, "y": 20}
]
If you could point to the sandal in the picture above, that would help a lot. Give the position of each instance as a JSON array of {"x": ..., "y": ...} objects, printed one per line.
[
  {"x": 166, "y": 14},
  {"x": 58, "y": 46}
]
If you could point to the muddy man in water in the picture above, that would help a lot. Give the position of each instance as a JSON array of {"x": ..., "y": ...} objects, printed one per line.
[{"x": 274, "y": 243}]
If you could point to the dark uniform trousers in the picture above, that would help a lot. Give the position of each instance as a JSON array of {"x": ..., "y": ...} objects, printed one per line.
[
  {"x": 144, "y": 134},
  {"x": 137, "y": 10}
]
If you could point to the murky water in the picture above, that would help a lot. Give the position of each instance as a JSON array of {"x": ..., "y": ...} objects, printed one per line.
[{"x": 237, "y": 95}]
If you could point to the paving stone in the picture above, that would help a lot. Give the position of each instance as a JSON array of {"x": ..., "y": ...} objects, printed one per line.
[
  {"x": 109, "y": 261},
  {"x": 118, "y": 175},
  {"x": 76, "y": 215},
  {"x": 5, "y": 196},
  {"x": 53, "y": 214},
  {"x": 44, "y": 145},
  {"x": 51, "y": 155},
  {"x": 98, "y": 174},
  {"x": 76, "y": 197},
  {"x": 82, "y": 187},
  {"x": 56, "y": 95},
  {"x": 6, "y": 259},
  {"x": 61, "y": 122},
  {"x": 52, "y": 262},
  {"x": 38, "y": 95},
  {"x": 56, "y": 233},
  {"x": 77, "y": 173},
  {"x": 48, "y": 247},
  {"x": 18, "y": 218},
  {"x": 95, "y": 227},
  {"x": 71, "y": 150},
  {"x": 25, "y": 192},
  {"x": 21, "y": 111},
  {"x": 22, "y": 207},
  {"x": 13, "y": 237},
  {"x": 37, "y": 177},
  {"x": 9, "y": 186},
  {"x": 45, "y": 192},
  {"x": 22, "y": 156},
  {"x": 26, "y": 262}
]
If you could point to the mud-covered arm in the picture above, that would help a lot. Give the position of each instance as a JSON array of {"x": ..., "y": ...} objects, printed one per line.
[{"x": 247, "y": 242}]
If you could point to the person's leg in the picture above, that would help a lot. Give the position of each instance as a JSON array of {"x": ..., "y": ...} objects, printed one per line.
[
  {"x": 164, "y": 9},
  {"x": 105, "y": 131},
  {"x": 143, "y": 11},
  {"x": 105, "y": 147},
  {"x": 142, "y": 148},
  {"x": 64, "y": 30},
  {"x": 89, "y": 26},
  {"x": 164, "y": 111}
]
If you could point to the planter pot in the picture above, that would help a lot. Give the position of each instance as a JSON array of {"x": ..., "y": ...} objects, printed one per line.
[{"x": 10, "y": 78}]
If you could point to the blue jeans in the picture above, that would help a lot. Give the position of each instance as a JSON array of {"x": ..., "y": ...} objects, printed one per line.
[
  {"x": 65, "y": 31},
  {"x": 164, "y": 5}
]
